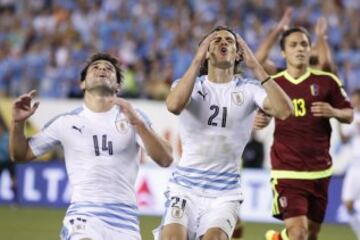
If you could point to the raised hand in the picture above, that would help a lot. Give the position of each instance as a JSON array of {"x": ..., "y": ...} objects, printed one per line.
[
  {"x": 321, "y": 27},
  {"x": 285, "y": 20},
  {"x": 204, "y": 46},
  {"x": 249, "y": 57},
  {"x": 322, "y": 109},
  {"x": 23, "y": 108},
  {"x": 128, "y": 110}
]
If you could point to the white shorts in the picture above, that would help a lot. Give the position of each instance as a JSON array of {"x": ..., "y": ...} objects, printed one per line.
[
  {"x": 351, "y": 185},
  {"x": 79, "y": 227},
  {"x": 198, "y": 214}
]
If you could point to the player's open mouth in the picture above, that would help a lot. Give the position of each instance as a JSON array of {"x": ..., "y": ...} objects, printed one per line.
[{"x": 223, "y": 50}]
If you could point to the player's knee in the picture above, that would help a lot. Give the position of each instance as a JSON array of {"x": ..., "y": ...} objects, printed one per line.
[
  {"x": 173, "y": 231},
  {"x": 215, "y": 234},
  {"x": 297, "y": 233}
]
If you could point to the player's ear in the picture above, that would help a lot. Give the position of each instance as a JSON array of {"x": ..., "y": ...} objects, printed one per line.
[
  {"x": 207, "y": 55},
  {"x": 82, "y": 85},
  {"x": 283, "y": 54}
]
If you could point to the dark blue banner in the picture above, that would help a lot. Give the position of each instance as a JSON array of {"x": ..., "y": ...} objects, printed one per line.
[{"x": 46, "y": 185}]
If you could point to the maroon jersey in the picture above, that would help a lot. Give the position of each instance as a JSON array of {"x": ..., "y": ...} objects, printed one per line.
[{"x": 301, "y": 142}]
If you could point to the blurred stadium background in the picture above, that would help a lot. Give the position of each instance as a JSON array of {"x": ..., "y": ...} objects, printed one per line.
[{"x": 43, "y": 44}]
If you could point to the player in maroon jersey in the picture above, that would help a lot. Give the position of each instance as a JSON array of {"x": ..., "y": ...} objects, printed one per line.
[
  {"x": 321, "y": 56},
  {"x": 300, "y": 159}
]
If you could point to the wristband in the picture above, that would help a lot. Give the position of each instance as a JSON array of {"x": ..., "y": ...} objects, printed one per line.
[{"x": 265, "y": 80}]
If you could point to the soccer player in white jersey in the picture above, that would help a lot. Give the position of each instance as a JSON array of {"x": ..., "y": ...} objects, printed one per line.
[
  {"x": 351, "y": 186},
  {"x": 216, "y": 113},
  {"x": 101, "y": 142}
]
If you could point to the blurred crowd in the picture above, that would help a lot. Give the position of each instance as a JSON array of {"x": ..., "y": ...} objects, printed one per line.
[{"x": 44, "y": 43}]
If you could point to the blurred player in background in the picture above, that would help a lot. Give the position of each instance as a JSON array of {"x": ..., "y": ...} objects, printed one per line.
[
  {"x": 351, "y": 186},
  {"x": 300, "y": 159},
  {"x": 321, "y": 57},
  {"x": 5, "y": 161},
  {"x": 216, "y": 113},
  {"x": 101, "y": 142}
]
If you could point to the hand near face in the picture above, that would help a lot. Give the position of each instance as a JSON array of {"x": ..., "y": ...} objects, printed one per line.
[
  {"x": 204, "y": 46},
  {"x": 23, "y": 108},
  {"x": 249, "y": 57}
]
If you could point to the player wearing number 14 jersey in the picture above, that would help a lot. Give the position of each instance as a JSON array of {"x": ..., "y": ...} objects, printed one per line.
[
  {"x": 216, "y": 113},
  {"x": 300, "y": 159},
  {"x": 101, "y": 147}
]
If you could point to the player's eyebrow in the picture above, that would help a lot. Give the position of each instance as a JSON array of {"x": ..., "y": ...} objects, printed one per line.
[{"x": 107, "y": 64}]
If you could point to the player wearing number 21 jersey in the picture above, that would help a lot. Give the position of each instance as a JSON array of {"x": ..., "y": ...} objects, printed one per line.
[{"x": 216, "y": 113}]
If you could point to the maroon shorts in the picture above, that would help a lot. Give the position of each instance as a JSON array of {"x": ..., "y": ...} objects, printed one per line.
[{"x": 293, "y": 197}]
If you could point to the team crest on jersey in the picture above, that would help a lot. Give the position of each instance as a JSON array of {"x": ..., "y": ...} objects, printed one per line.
[
  {"x": 177, "y": 212},
  {"x": 122, "y": 126},
  {"x": 314, "y": 89},
  {"x": 237, "y": 98},
  {"x": 283, "y": 202}
]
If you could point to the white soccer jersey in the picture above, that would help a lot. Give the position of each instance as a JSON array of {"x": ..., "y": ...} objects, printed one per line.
[
  {"x": 102, "y": 161},
  {"x": 353, "y": 131},
  {"x": 214, "y": 128}
]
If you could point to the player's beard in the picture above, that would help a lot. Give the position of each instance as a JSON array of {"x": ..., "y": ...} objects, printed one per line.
[{"x": 101, "y": 90}]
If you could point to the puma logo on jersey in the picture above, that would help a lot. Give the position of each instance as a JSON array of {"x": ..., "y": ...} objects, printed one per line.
[
  {"x": 77, "y": 128},
  {"x": 202, "y": 94}
]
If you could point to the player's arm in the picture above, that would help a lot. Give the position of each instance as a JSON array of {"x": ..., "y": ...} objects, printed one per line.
[
  {"x": 324, "y": 109},
  {"x": 277, "y": 103},
  {"x": 179, "y": 96},
  {"x": 22, "y": 109},
  {"x": 262, "y": 53},
  {"x": 322, "y": 47},
  {"x": 157, "y": 148},
  {"x": 262, "y": 120}
]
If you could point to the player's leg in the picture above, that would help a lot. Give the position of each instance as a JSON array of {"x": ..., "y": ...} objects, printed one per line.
[
  {"x": 290, "y": 204},
  {"x": 179, "y": 219},
  {"x": 173, "y": 231},
  {"x": 215, "y": 234},
  {"x": 318, "y": 201},
  {"x": 219, "y": 221},
  {"x": 296, "y": 228},
  {"x": 314, "y": 230}
]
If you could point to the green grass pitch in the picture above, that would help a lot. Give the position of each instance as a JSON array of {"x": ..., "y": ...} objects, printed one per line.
[{"x": 44, "y": 224}]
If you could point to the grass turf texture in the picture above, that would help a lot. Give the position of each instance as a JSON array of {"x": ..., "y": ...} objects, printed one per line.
[{"x": 44, "y": 224}]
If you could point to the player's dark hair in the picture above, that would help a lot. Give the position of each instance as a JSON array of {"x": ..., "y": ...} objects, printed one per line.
[
  {"x": 103, "y": 56},
  {"x": 204, "y": 66},
  {"x": 288, "y": 32}
]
